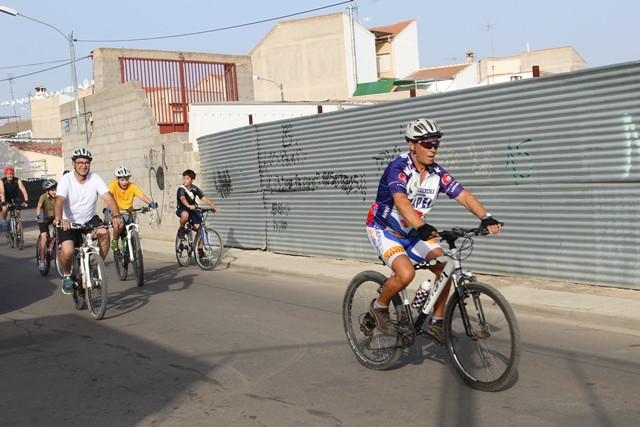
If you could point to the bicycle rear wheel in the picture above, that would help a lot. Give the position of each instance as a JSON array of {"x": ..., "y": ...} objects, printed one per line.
[
  {"x": 212, "y": 249},
  {"x": 97, "y": 287},
  {"x": 183, "y": 251},
  {"x": 372, "y": 348},
  {"x": 488, "y": 359},
  {"x": 19, "y": 236},
  {"x": 138, "y": 264}
]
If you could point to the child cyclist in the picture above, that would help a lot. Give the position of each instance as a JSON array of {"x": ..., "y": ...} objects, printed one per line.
[
  {"x": 45, "y": 214},
  {"x": 124, "y": 192},
  {"x": 187, "y": 205}
]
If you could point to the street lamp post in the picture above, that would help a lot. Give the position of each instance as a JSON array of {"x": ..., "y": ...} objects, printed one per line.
[
  {"x": 275, "y": 83},
  {"x": 72, "y": 51}
]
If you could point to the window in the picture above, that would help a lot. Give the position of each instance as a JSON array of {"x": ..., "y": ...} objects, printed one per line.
[{"x": 514, "y": 78}]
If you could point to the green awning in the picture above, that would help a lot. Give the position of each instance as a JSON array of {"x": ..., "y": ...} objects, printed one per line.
[{"x": 371, "y": 88}]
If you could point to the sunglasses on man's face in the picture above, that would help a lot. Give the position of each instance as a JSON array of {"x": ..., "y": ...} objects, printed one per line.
[{"x": 430, "y": 144}]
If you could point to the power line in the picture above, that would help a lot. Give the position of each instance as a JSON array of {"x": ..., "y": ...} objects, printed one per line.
[
  {"x": 45, "y": 70},
  {"x": 34, "y": 64},
  {"x": 216, "y": 29}
]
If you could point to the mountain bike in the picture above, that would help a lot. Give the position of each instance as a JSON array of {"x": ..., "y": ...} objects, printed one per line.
[
  {"x": 130, "y": 247},
  {"x": 482, "y": 337},
  {"x": 89, "y": 273},
  {"x": 51, "y": 252},
  {"x": 204, "y": 242},
  {"x": 15, "y": 236}
]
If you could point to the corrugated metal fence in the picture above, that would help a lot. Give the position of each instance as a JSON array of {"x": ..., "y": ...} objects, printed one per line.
[{"x": 556, "y": 158}]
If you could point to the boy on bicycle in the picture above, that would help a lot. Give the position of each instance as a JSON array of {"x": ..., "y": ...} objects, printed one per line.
[
  {"x": 44, "y": 215},
  {"x": 187, "y": 205},
  {"x": 123, "y": 192},
  {"x": 396, "y": 224}
]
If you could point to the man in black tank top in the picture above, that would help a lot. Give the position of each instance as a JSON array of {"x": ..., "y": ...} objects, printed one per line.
[{"x": 12, "y": 188}]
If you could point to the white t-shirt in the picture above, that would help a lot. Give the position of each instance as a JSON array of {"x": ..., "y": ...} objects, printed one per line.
[{"x": 80, "y": 199}]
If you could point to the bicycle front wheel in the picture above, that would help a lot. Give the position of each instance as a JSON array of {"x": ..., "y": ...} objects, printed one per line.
[
  {"x": 120, "y": 259},
  {"x": 56, "y": 257},
  {"x": 372, "y": 348},
  {"x": 11, "y": 233},
  {"x": 211, "y": 249},
  {"x": 183, "y": 251},
  {"x": 138, "y": 264},
  {"x": 97, "y": 286},
  {"x": 486, "y": 357},
  {"x": 19, "y": 236}
]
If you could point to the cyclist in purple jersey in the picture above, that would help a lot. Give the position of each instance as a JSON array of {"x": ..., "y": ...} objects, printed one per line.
[{"x": 396, "y": 224}]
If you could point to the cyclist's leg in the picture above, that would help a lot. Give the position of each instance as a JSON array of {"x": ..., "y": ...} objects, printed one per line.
[
  {"x": 67, "y": 245},
  {"x": 5, "y": 212},
  {"x": 44, "y": 233},
  {"x": 117, "y": 231},
  {"x": 101, "y": 234}
]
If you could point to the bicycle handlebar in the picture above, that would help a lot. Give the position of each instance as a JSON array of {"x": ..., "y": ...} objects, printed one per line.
[
  {"x": 450, "y": 236},
  {"x": 132, "y": 211}
]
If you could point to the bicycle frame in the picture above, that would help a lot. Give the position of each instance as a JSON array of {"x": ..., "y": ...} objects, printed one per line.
[
  {"x": 452, "y": 270},
  {"x": 131, "y": 225},
  {"x": 89, "y": 245}
]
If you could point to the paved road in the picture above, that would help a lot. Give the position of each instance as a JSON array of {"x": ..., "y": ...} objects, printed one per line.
[{"x": 228, "y": 347}]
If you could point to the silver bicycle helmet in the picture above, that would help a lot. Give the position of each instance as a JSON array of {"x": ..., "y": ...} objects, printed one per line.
[
  {"x": 81, "y": 153},
  {"x": 422, "y": 129},
  {"x": 49, "y": 184},
  {"x": 122, "y": 172}
]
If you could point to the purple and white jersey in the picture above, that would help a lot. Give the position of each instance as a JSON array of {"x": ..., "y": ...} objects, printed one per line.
[{"x": 402, "y": 176}]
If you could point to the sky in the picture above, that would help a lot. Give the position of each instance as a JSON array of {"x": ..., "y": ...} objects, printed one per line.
[{"x": 33, "y": 54}]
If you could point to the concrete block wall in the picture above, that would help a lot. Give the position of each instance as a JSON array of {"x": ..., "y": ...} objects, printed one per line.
[
  {"x": 106, "y": 66},
  {"x": 122, "y": 130}
]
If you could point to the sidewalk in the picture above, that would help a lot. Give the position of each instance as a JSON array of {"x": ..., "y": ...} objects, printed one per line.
[{"x": 584, "y": 303}]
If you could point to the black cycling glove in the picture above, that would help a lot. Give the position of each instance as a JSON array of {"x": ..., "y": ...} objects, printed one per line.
[
  {"x": 489, "y": 221},
  {"x": 425, "y": 231}
]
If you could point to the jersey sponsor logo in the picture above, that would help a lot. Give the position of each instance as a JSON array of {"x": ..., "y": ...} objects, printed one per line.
[
  {"x": 403, "y": 177},
  {"x": 446, "y": 179},
  {"x": 392, "y": 251}
]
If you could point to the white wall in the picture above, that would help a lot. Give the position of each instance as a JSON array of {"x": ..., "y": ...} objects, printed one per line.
[{"x": 407, "y": 54}]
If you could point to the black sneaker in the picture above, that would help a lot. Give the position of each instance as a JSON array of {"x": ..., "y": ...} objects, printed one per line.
[
  {"x": 181, "y": 232},
  {"x": 436, "y": 331},
  {"x": 383, "y": 319}
]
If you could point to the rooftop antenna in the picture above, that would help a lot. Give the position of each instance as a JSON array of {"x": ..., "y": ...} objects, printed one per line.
[
  {"x": 489, "y": 28},
  {"x": 453, "y": 59}
]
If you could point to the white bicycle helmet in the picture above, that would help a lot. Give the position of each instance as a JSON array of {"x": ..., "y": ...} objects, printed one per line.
[
  {"x": 81, "y": 153},
  {"x": 422, "y": 129},
  {"x": 122, "y": 172},
  {"x": 49, "y": 184}
]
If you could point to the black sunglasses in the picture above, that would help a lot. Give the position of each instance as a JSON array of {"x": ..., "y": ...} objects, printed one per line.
[{"x": 429, "y": 144}]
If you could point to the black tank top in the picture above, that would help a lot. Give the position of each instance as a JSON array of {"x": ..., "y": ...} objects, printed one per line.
[{"x": 11, "y": 190}]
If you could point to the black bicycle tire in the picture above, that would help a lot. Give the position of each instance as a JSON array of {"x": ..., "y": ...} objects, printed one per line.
[
  {"x": 212, "y": 251},
  {"x": 78, "y": 295},
  {"x": 120, "y": 260},
  {"x": 138, "y": 262},
  {"x": 387, "y": 350},
  {"x": 11, "y": 235},
  {"x": 97, "y": 291},
  {"x": 499, "y": 358},
  {"x": 56, "y": 256},
  {"x": 181, "y": 248},
  {"x": 19, "y": 236}
]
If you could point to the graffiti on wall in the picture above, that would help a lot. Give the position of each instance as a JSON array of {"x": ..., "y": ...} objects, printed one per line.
[
  {"x": 519, "y": 161},
  {"x": 159, "y": 190},
  {"x": 280, "y": 212},
  {"x": 384, "y": 157},
  {"x": 222, "y": 183}
]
